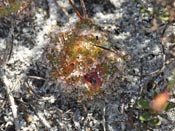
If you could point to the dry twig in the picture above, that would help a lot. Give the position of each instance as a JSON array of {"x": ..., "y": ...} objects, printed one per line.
[
  {"x": 41, "y": 118},
  {"x": 8, "y": 87},
  {"x": 104, "y": 119}
]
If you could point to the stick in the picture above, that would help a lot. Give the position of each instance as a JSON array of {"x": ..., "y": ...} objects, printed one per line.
[
  {"x": 84, "y": 9},
  {"x": 41, "y": 118},
  {"x": 104, "y": 119},
  {"x": 8, "y": 86},
  {"x": 76, "y": 10}
]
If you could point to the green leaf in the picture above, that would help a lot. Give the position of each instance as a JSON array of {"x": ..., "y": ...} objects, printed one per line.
[
  {"x": 145, "y": 11},
  {"x": 145, "y": 117},
  {"x": 164, "y": 18},
  {"x": 170, "y": 106},
  {"x": 155, "y": 122},
  {"x": 164, "y": 116},
  {"x": 171, "y": 80},
  {"x": 143, "y": 104}
]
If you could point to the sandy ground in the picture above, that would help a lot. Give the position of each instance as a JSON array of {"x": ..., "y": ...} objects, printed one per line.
[{"x": 46, "y": 104}]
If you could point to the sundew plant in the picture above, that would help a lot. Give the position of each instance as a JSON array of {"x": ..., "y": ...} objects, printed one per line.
[{"x": 84, "y": 55}]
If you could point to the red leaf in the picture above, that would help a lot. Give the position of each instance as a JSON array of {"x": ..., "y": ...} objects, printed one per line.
[
  {"x": 93, "y": 81},
  {"x": 160, "y": 101}
]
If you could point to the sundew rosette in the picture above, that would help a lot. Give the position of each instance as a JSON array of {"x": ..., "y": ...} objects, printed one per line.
[{"x": 84, "y": 56}]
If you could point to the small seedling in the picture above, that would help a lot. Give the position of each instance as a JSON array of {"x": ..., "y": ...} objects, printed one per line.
[
  {"x": 6, "y": 8},
  {"x": 13, "y": 7},
  {"x": 83, "y": 55},
  {"x": 153, "y": 109}
]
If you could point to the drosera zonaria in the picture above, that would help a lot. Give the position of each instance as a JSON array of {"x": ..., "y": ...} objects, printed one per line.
[{"x": 83, "y": 55}]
